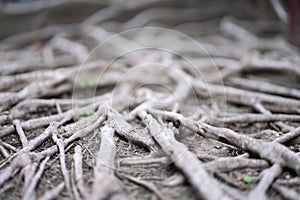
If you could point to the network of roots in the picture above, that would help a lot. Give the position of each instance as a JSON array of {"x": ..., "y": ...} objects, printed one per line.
[{"x": 205, "y": 108}]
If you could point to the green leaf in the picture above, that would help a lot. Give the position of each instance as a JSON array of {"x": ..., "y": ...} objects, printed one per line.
[
  {"x": 116, "y": 139},
  {"x": 89, "y": 112},
  {"x": 77, "y": 106},
  {"x": 221, "y": 102},
  {"x": 83, "y": 84},
  {"x": 247, "y": 179},
  {"x": 81, "y": 118},
  {"x": 89, "y": 81},
  {"x": 92, "y": 81}
]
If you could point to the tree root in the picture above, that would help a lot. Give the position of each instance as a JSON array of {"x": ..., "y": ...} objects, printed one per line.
[
  {"x": 53, "y": 193},
  {"x": 150, "y": 186},
  {"x": 267, "y": 179},
  {"x": 180, "y": 155},
  {"x": 77, "y": 157},
  {"x": 105, "y": 185},
  {"x": 199, "y": 83},
  {"x": 274, "y": 152},
  {"x": 29, "y": 193}
]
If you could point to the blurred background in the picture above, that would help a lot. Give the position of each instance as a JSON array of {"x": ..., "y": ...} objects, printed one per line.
[{"x": 193, "y": 17}]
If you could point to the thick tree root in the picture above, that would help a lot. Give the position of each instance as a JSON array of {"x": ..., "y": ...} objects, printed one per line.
[
  {"x": 180, "y": 155},
  {"x": 105, "y": 185}
]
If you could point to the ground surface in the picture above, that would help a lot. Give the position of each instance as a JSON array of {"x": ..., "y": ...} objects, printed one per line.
[{"x": 150, "y": 113}]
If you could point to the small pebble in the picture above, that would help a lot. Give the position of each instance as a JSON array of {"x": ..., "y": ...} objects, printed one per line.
[{"x": 286, "y": 176}]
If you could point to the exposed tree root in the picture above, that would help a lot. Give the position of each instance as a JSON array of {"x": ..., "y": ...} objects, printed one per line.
[
  {"x": 154, "y": 107},
  {"x": 267, "y": 178},
  {"x": 105, "y": 185},
  {"x": 53, "y": 193},
  {"x": 150, "y": 186},
  {"x": 78, "y": 171},
  {"x": 179, "y": 154},
  {"x": 271, "y": 151}
]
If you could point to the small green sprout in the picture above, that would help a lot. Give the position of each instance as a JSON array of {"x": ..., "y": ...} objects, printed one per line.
[
  {"x": 92, "y": 81},
  {"x": 89, "y": 112},
  {"x": 89, "y": 81},
  {"x": 221, "y": 103},
  {"x": 247, "y": 179},
  {"x": 77, "y": 106},
  {"x": 83, "y": 85},
  {"x": 81, "y": 118},
  {"x": 116, "y": 139}
]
